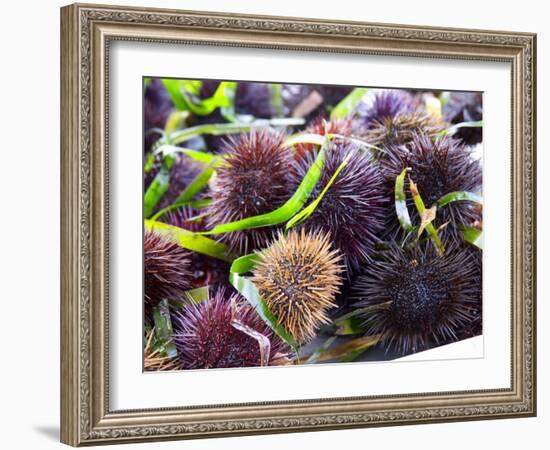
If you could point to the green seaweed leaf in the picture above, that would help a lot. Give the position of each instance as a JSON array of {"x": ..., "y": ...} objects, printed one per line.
[
  {"x": 197, "y": 295},
  {"x": 348, "y": 351},
  {"x": 340, "y": 321},
  {"x": 473, "y": 236},
  {"x": 179, "y": 91},
  {"x": 421, "y": 208},
  {"x": 277, "y": 99},
  {"x": 454, "y": 128},
  {"x": 305, "y": 213},
  {"x": 314, "y": 357},
  {"x": 197, "y": 155},
  {"x": 304, "y": 138},
  {"x": 348, "y": 104},
  {"x": 351, "y": 325},
  {"x": 250, "y": 292},
  {"x": 459, "y": 196},
  {"x": 197, "y": 185},
  {"x": 401, "y": 202},
  {"x": 158, "y": 187},
  {"x": 192, "y": 241},
  {"x": 284, "y": 212},
  {"x": 219, "y": 129},
  {"x": 163, "y": 330}
]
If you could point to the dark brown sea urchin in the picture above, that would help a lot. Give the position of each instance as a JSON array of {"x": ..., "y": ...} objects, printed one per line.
[
  {"x": 438, "y": 167},
  {"x": 206, "y": 336},
  {"x": 401, "y": 129},
  {"x": 166, "y": 268},
  {"x": 416, "y": 298},
  {"x": 257, "y": 178},
  {"x": 299, "y": 276}
]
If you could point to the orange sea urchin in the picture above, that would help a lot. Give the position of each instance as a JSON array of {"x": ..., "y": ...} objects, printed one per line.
[{"x": 299, "y": 276}]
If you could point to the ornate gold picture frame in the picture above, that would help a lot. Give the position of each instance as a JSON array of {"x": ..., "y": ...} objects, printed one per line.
[{"x": 87, "y": 31}]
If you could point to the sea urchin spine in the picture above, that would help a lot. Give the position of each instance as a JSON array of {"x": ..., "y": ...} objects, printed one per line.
[
  {"x": 384, "y": 105},
  {"x": 166, "y": 268},
  {"x": 354, "y": 208},
  {"x": 438, "y": 167},
  {"x": 400, "y": 130},
  {"x": 299, "y": 276},
  {"x": 210, "y": 335},
  {"x": 416, "y": 298},
  {"x": 257, "y": 178}
]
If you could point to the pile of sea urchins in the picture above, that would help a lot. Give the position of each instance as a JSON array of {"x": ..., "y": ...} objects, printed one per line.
[{"x": 413, "y": 287}]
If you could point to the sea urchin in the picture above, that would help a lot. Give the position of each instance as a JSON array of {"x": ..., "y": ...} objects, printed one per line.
[
  {"x": 416, "y": 298},
  {"x": 400, "y": 129},
  {"x": 210, "y": 335},
  {"x": 354, "y": 208},
  {"x": 438, "y": 167},
  {"x": 257, "y": 178},
  {"x": 166, "y": 268},
  {"x": 299, "y": 276},
  {"x": 385, "y": 104}
]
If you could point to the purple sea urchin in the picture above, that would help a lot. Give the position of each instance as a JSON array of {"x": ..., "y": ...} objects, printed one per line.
[
  {"x": 354, "y": 209},
  {"x": 385, "y": 104},
  {"x": 257, "y": 178},
  {"x": 438, "y": 167},
  {"x": 206, "y": 335},
  {"x": 416, "y": 298},
  {"x": 299, "y": 276},
  {"x": 166, "y": 268}
]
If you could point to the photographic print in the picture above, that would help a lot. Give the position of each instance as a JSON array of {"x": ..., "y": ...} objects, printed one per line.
[{"x": 293, "y": 224}]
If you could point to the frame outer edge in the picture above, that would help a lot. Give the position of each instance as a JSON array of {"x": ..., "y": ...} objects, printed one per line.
[
  {"x": 70, "y": 314},
  {"x": 79, "y": 169}
]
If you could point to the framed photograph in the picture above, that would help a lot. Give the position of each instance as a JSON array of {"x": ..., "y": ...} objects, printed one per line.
[{"x": 277, "y": 224}]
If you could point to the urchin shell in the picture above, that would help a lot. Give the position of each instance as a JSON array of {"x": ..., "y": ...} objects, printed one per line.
[
  {"x": 166, "y": 268},
  {"x": 355, "y": 207},
  {"x": 438, "y": 167},
  {"x": 384, "y": 104},
  {"x": 417, "y": 298},
  {"x": 390, "y": 132},
  {"x": 257, "y": 178},
  {"x": 206, "y": 337},
  {"x": 343, "y": 127},
  {"x": 299, "y": 276}
]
